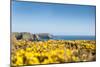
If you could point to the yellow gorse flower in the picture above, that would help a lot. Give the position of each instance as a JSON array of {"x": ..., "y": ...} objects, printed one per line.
[{"x": 50, "y": 51}]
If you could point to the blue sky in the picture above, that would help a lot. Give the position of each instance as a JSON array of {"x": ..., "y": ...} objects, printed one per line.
[{"x": 57, "y": 19}]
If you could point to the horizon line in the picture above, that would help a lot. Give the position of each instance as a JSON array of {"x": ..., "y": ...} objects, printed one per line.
[{"x": 56, "y": 34}]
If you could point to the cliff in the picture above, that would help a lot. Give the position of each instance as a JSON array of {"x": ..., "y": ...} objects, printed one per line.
[{"x": 30, "y": 36}]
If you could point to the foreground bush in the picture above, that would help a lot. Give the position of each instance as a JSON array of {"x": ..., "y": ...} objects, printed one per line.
[{"x": 51, "y": 51}]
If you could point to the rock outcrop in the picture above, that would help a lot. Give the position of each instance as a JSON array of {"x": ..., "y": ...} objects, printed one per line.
[{"x": 31, "y": 37}]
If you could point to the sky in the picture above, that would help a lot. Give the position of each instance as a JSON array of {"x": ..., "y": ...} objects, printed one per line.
[{"x": 56, "y": 19}]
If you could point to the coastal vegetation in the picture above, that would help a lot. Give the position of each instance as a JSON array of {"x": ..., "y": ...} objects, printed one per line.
[{"x": 33, "y": 52}]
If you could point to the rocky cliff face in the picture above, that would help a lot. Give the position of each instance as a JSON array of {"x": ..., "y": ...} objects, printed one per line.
[{"x": 30, "y": 36}]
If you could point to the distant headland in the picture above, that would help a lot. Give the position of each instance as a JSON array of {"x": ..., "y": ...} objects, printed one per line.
[{"x": 31, "y": 36}]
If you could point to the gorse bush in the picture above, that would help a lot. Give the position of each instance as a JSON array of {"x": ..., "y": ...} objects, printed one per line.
[{"x": 51, "y": 51}]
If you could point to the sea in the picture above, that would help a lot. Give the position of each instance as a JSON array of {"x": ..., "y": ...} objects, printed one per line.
[{"x": 63, "y": 37}]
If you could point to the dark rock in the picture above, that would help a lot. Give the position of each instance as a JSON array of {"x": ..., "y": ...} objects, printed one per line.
[
  {"x": 17, "y": 35},
  {"x": 32, "y": 37},
  {"x": 44, "y": 36}
]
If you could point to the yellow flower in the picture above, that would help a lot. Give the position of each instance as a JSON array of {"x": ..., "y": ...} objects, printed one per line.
[
  {"x": 36, "y": 54},
  {"x": 34, "y": 60},
  {"x": 68, "y": 52},
  {"x": 28, "y": 49},
  {"x": 46, "y": 61},
  {"x": 19, "y": 60},
  {"x": 75, "y": 58},
  {"x": 22, "y": 51},
  {"x": 28, "y": 55},
  {"x": 18, "y": 43}
]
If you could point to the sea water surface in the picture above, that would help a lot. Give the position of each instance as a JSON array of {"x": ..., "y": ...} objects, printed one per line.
[{"x": 63, "y": 37}]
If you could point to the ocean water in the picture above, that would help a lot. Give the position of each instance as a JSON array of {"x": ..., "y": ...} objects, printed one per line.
[{"x": 74, "y": 37}]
